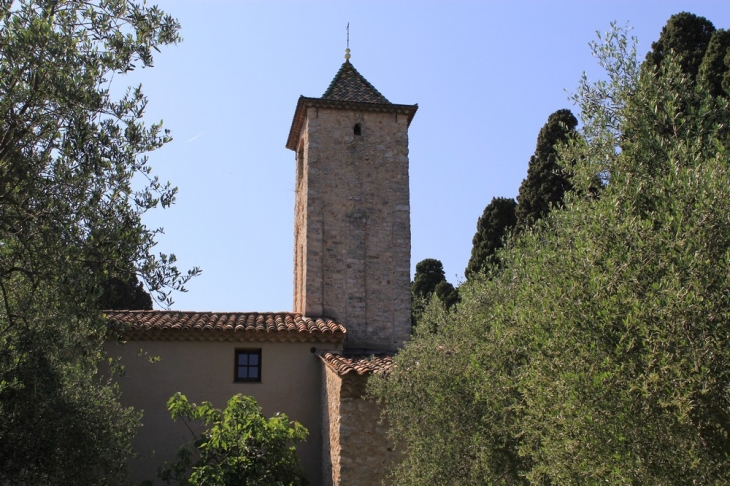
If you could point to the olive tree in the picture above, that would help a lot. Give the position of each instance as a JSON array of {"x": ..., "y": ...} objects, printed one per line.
[
  {"x": 70, "y": 222},
  {"x": 601, "y": 353}
]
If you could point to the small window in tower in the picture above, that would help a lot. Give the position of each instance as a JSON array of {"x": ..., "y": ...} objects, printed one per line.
[
  {"x": 358, "y": 129},
  {"x": 248, "y": 365}
]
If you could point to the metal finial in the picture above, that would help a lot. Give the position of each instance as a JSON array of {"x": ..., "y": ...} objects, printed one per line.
[{"x": 347, "y": 51}]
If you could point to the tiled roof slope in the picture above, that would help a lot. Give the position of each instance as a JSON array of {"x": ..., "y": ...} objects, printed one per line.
[
  {"x": 350, "y": 85},
  {"x": 358, "y": 362},
  {"x": 225, "y": 326}
]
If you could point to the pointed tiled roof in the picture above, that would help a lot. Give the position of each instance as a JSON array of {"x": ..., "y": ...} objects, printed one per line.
[
  {"x": 157, "y": 325},
  {"x": 350, "y": 85},
  {"x": 349, "y": 90}
]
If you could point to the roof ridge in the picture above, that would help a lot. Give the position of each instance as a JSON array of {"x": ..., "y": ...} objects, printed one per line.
[{"x": 353, "y": 87}]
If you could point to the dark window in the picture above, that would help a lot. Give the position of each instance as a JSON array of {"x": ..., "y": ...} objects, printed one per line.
[
  {"x": 358, "y": 129},
  {"x": 248, "y": 365}
]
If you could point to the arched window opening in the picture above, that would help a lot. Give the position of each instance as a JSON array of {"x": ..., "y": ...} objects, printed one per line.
[{"x": 358, "y": 129}]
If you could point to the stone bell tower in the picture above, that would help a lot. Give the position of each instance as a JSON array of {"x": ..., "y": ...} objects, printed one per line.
[{"x": 352, "y": 237}]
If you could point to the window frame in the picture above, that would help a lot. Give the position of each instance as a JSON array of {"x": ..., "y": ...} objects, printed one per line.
[{"x": 236, "y": 367}]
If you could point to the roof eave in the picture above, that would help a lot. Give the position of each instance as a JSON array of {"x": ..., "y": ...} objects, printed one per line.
[
  {"x": 232, "y": 336},
  {"x": 355, "y": 369}
]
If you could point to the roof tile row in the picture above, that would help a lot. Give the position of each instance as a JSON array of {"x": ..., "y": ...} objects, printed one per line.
[
  {"x": 357, "y": 362},
  {"x": 274, "y": 326},
  {"x": 350, "y": 85}
]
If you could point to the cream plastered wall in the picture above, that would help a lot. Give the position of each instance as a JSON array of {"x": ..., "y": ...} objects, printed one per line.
[{"x": 202, "y": 370}]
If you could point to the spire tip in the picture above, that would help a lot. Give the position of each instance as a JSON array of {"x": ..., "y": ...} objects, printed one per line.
[{"x": 347, "y": 51}]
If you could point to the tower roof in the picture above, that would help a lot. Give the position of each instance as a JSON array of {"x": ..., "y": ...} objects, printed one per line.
[
  {"x": 349, "y": 90},
  {"x": 350, "y": 85}
]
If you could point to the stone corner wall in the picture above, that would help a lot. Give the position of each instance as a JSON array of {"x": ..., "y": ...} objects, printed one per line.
[
  {"x": 359, "y": 451},
  {"x": 331, "y": 427}
]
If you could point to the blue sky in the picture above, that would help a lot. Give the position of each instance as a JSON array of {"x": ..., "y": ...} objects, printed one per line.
[{"x": 486, "y": 75}]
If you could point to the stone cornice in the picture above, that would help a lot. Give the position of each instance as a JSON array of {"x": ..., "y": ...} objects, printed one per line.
[{"x": 300, "y": 113}]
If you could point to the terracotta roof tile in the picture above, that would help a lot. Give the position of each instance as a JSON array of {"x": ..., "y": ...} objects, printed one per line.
[
  {"x": 358, "y": 362},
  {"x": 225, "y": 326},
  {"x": 350, "y": 85}
]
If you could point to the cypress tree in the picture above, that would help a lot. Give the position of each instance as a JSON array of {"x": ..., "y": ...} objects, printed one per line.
[
  {"x": 714, "y": 73},
  {"x": 126, "y": 294},
  {"x": 429, "y": 273},
  {"x": 496, "y": 222},
  {"x": 447, "y": 294},
  {"x": 546, "y": 182},
  {"x": 688, "y": 35},
  {"x": 430, "y": 280}
]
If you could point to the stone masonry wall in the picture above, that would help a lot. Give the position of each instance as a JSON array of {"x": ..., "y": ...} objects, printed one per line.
[
  {"x": 352, "y": 225},
  {"x": 331, "y": 428},
  {"x": 360, "y": 451},
  {"x": 365, "y": 451}
]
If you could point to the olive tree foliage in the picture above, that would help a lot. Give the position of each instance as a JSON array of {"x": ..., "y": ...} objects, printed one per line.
[
  {"x": 70, "y": 222},
  {"x": 601, "y": 353},
  {"x": 238, "y": 446}
]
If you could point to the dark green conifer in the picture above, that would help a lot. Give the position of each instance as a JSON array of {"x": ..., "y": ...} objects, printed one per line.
[
  {"x": 430, "y": 280},
  {"x": 447, "y": 294},
  {"x": 714, "y": 71},
  {"x": 688, "y": 35},
  {"x": 546, "y": 181},
  {"x": 429, "y": 273},
  {"x": 496, "y": 222},
  {"x": 124, "y": 294}
]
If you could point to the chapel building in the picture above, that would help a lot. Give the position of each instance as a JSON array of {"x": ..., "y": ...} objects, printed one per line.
[{"x": 351, "y": 301}]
